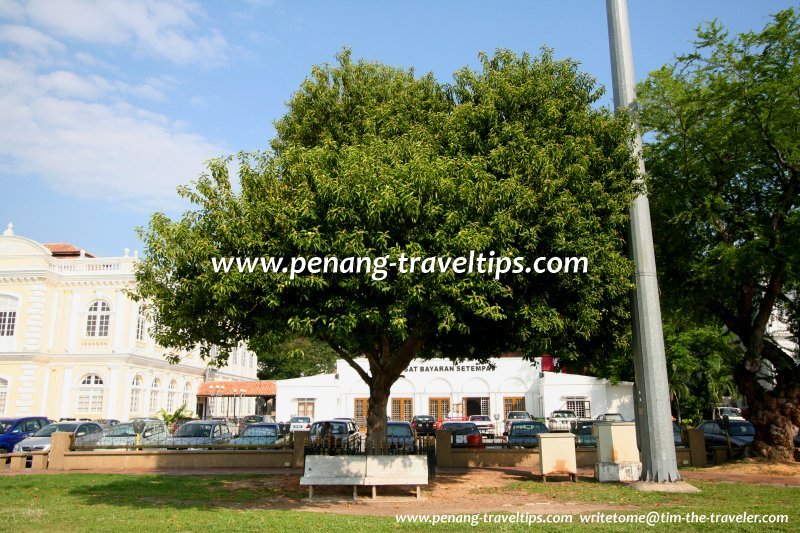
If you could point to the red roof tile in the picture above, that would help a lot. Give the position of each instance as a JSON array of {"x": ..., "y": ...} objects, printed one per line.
[
  {"x": 65, "y": 249},
  {"x": 234, "y": 388}
]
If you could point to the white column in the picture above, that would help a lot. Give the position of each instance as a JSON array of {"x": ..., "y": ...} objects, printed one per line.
[
  {"x": 113, "y": 389},
  {"x": 66, "y": 393},
  {"x": 118, "y": 317},
  {"x": 73, "y": 324}
]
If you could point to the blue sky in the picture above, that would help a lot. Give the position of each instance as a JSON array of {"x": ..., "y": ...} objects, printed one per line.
[{"x": 106, "y": 106}]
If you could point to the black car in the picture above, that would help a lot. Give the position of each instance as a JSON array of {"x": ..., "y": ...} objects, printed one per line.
[
  {"x": 740, "y": 432},
  {"x": 583, "y": 433},
  {"x": 464, "y": 434},
  {"x": 423, "y": 425},
  {"x": 400, "y": 437}
]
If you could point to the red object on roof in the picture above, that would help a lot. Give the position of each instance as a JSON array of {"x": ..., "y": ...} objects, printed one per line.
[
  {"x": 65, "y": 249},
  {"x": 548, "y": 363},
  {"x": 235, "y": 388}
]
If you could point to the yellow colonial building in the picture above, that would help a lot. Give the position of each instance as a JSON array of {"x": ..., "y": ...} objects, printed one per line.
[{"x": 74, "y": 345}]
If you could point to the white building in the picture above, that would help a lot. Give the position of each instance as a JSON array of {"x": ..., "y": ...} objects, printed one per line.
[
  {"x": 73, "y": 344},
  {"x": 439, "y": 387}
]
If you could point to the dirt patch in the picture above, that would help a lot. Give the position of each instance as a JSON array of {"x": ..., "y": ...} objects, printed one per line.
[
  {"x": 451, "y": 492},
  {"x": 756, "y": 467}
]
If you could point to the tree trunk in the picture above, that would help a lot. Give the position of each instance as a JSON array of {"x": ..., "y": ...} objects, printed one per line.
[
  {"x": 376, "y": 419},
  {"x": 774, "y": 413}
]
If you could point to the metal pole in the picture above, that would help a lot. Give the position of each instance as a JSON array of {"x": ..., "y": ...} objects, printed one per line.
[{"x": 654, "y": 420}]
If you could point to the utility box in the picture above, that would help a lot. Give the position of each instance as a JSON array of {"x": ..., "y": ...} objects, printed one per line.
[
  {"x": 557, "y": 455},
  {"x": 617, "y": 452}
]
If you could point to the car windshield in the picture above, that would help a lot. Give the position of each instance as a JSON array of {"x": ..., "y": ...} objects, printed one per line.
[
  {"x": 52, "y": 428},
  {"x": 336, "y": 428},
  {"x": 194, "y": 430},
  {"x": 480, "y": 418},
  {"x": 527, "y": 430},
  {"x": 121, "y": 430},
  {"x": 300, "y": 420},
  {"x": 738, "y": 430},
  {"x": 259, "y": 431},
  {"x": 460, "y": 428},
  {"x": 398, "y": 430},
  {"x": 251, "y": 419},
  {"x": 424, "y": 418},
  {"x": 612, "y": 416}
]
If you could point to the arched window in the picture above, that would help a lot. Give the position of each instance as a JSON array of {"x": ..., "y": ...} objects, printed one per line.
[
  {"x": 136, "y": 395},
  {"x": 187, "y": 393},
  {"x": 141, "y": 324},
  {"x": 90, "y": 394},
  {"x": 97, "y": 320},
  {"x": 172, "y": 394},
  {"x": 8, "y": 315},
  {"x": 3, "y": 395},
  {"x": 155, "y": 393}
]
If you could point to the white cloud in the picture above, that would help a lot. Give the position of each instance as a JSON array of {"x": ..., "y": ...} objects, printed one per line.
[
  {"x": 82, "y": 137},
  {"x": 153, "y": 27},
  {"x": 30, "y": 39}
]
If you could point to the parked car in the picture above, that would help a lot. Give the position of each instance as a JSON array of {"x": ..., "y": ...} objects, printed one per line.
[
  {"x": 13, "y": 430},
  {"x": 485, "y": 425},
  {"x": 464, "y": 434},
  {"x": 561, "y": 420},
  {"x": 423, "y": 425},
  {"x": 740, "y": 432},
  {"x": 231, "y": 423},
  {"x": 525, "y": 433},
  {"x": 611, "y": 417},
  {"x": 583, "y": 433},
  {"x": 86, "y": 434},
  {"x": 179, "y": 422},
  {"x": 299, "y": 423},
  {"x": 154, "y": 434},
  {"x": 106, "y": 423},
  {"x": 254, "y": 419},
  {"x": 515, "y": 415},
  {"x": 258, "y": 433},
  {"x": 200, "y": 434},
  {"x": 400, "y": 436},
  {"x": 334, "y": 434},
  {"x": 677, "y": 434},
  {"x": 733, "y": 413}
]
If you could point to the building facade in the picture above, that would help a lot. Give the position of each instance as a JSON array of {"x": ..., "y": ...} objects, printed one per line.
[
  {"x": 439, "y": 387},
  {"x": 73, "y": 344}
]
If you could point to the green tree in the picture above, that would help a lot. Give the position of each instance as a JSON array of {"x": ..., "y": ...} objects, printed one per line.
[
  {"x": 724, "y": 166},
  {"x": 373, "y": 161},
  {"x": 296, "y": 357}
]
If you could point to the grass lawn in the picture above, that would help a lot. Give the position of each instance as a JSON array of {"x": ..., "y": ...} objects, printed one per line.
[{"x": 117, "y": 502}]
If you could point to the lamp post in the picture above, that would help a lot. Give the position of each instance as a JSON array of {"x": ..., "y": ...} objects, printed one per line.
[
  {"x": 651, "y": 392},
  {"x": 218, "y": 389}
]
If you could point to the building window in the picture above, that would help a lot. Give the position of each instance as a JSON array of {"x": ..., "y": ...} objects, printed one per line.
[
  {"x": 438, "y": 407},
  {"x": 3, "y": 395},
  {"x": 187, "y": 393},
  {"x": 512, "y": 404},
  {"x": 98, "y": 319},
  {"x": 141, "y": 324},
  {"x": 172, "y": 394},
  {"x": 136, "y": 395},
  {"x": 155, "y": 392},
  {"x": 90, "y": 394},
  {"x": 580, "y": 405},
  {"x": 402, "y": 409},
  {"x": 360, "y": 411},
  {"x": 305, "y": 407},
  {"x": 8, "y": 316}
]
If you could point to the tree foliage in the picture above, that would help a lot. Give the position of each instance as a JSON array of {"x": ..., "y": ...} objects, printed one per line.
[
  {"x": 725, "y": 165},
  {"x": 372, "y": 160},
  {"x": 296, "y": 357}
]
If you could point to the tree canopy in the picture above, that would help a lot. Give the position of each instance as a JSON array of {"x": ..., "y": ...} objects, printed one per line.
[
  {"x": 724, "y": 164},
  {"x": 372, "y": 161}
]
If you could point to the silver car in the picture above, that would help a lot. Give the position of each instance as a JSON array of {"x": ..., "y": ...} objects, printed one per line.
[
  {"x": 154, "y": 434},
  {"x": 86, "y": 434},
  {"x": 200, "y": 434}
]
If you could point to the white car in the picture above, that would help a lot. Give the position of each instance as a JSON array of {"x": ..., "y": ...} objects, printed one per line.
[
  {"x": 561, "y": 420},
  {"x": 485, "y": 425},
  {"x": 299, "y": 423}
]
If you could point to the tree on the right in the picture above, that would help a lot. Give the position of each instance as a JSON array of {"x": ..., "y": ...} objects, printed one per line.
[{"x": 722, "y": 132}]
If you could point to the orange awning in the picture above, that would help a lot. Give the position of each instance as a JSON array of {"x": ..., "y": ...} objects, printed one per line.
[{"x": 237, "y": 388}]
